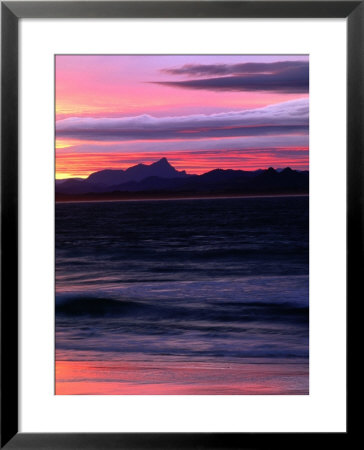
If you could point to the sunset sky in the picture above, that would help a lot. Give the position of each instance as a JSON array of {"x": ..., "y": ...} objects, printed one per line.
[{"x": 201, "y": 112}]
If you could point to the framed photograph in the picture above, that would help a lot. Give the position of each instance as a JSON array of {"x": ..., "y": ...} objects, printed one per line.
[{"x": 181, "y": 222}]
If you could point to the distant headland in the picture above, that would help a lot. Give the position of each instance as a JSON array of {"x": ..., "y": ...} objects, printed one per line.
[{"x": 161, "y": 180}]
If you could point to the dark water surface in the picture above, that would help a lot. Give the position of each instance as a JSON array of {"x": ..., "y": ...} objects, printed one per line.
[{"x": 208, "y": 281}]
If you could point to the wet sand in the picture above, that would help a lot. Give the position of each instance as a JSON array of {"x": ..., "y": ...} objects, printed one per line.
[{"x": 180, "y": 378}]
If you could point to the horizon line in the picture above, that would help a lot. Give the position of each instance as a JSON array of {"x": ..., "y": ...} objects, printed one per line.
[{"x": 182, "y": 170}]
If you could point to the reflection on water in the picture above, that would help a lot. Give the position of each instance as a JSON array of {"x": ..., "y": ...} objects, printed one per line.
[{"x": 110, "y": 378}]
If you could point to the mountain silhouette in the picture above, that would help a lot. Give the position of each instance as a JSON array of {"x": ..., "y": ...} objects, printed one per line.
[
  {"x": 160, "y": 178},
  {"x": 161, "y": 169}
]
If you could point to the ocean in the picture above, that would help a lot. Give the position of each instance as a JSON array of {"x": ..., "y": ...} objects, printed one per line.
[{"x": 199, "y": 296}]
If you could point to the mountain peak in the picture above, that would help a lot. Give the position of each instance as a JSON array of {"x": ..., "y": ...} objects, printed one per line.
[
  {"x": 270, "y": 170},
  {"x": 161, "y": 169},
  {"x": 162, "y": 162}
]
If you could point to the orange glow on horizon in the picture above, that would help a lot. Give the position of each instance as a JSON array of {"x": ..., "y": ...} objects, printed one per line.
[{"x": 83, "y": 164}]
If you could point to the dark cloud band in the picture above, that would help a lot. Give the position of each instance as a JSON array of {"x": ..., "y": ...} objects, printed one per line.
[
  {"x": 284, "y": 76},
  {"x": 161, "y": 134}
]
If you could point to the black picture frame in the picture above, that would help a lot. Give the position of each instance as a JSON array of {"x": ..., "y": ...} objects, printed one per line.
[{"x": 11, "y": 12}]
